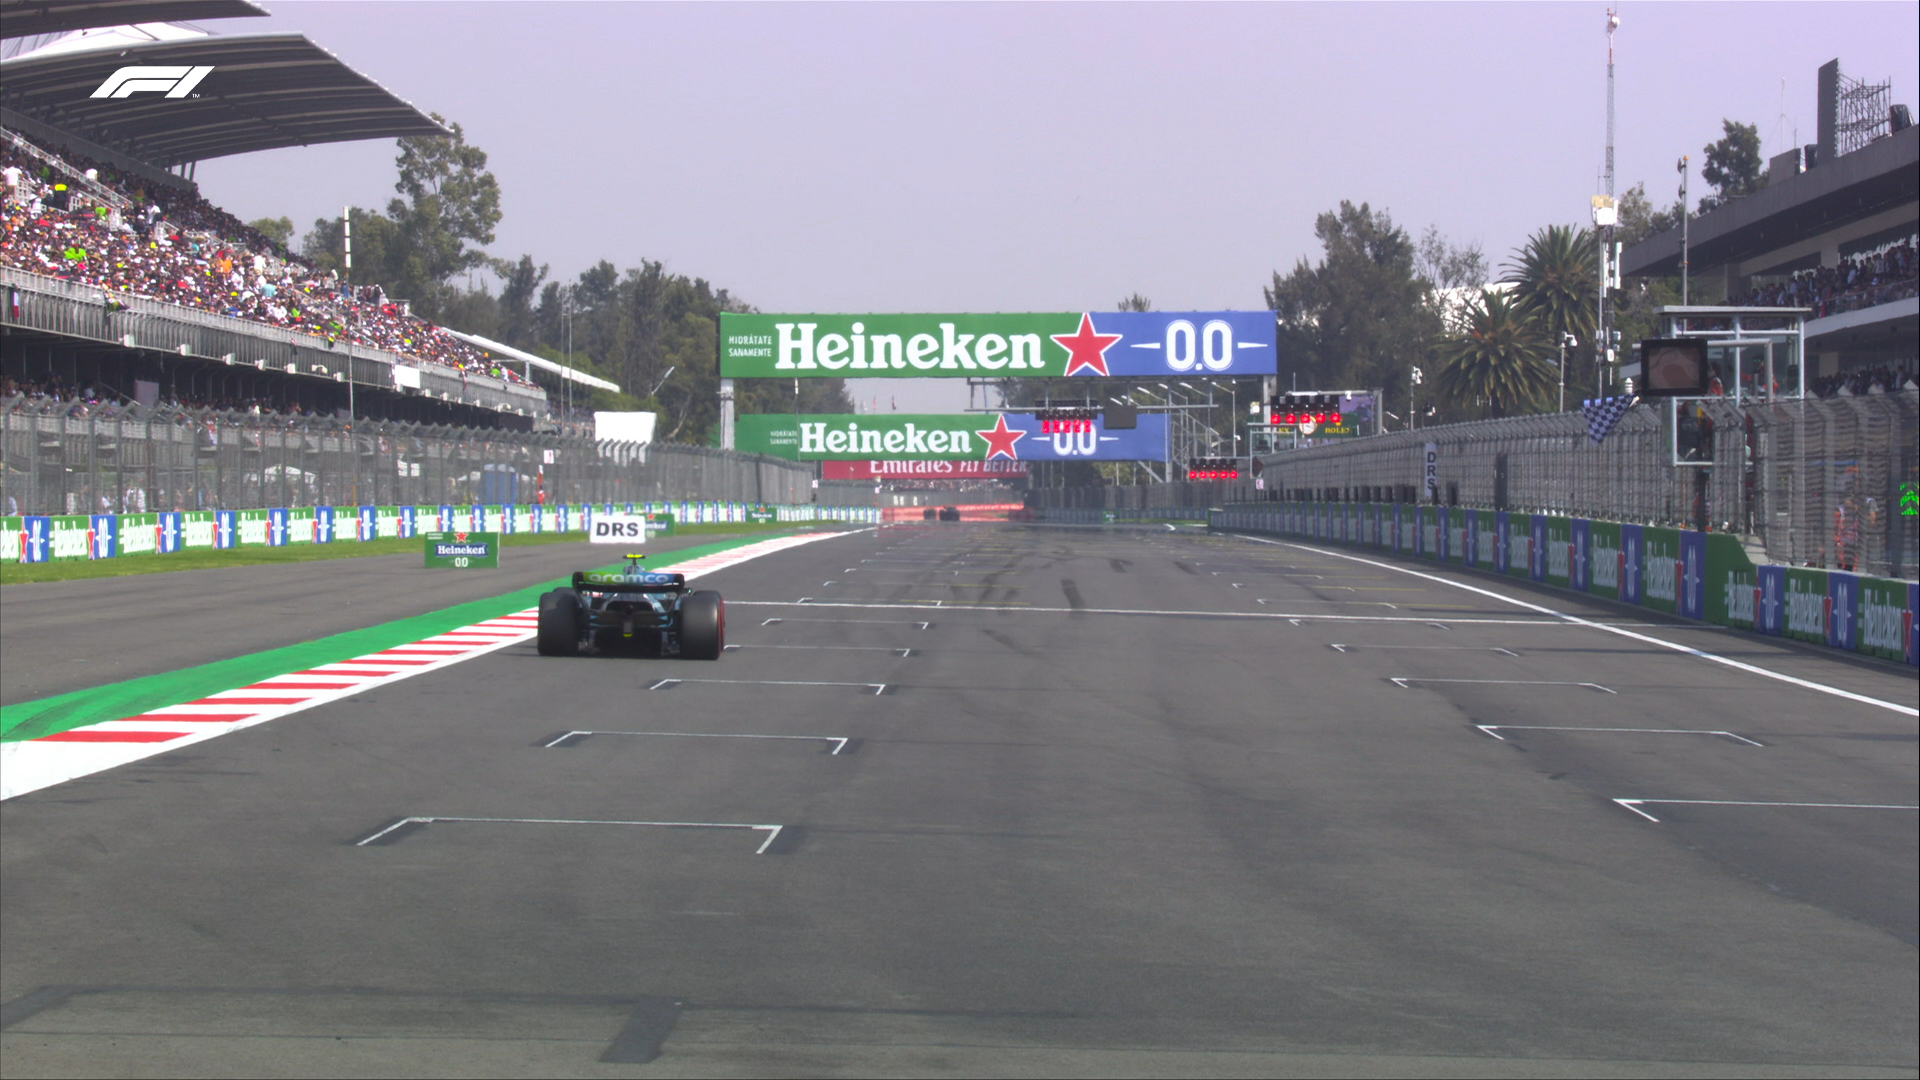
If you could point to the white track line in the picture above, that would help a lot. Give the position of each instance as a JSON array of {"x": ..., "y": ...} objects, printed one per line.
[
  {"x": 834, "y": 648},
  {"x": 1494, "y": 729},
  {"x": 839, "y": 741},
  {"x": 772, "y": 831},
  {"x": 1432, "y": 648},
  {"x": 1575, "y": 620},
  {"x": 1402, "y": 680},
  {"x": 1635, "y": 805},
  {"x": 878, "y": 688},
  {"x": 928, "y": 605}
]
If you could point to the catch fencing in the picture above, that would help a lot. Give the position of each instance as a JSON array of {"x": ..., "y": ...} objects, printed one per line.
[
  {"x": 1815, "y": 482},
  {"x": 65, "y": 458}
]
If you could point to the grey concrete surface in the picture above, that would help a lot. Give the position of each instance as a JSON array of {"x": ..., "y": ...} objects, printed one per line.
[
  {"x": 1065, "y": 840},
  {"x": 60, "y": 636}
]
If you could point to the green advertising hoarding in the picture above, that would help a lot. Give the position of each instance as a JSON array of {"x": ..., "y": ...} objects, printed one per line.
[{"x": 463, "y": 550}]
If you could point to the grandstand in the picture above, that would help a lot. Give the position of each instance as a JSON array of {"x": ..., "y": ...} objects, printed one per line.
[
  {"x": 1834, "y": 231},
  {"x": 126, "y": 288}
]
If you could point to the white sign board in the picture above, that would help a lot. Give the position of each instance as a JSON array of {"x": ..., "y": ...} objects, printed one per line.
[
  {"x": 1433, "y": 472},
  {"x": 630, "y": 427},
  {"x": 618, "y": 529}
]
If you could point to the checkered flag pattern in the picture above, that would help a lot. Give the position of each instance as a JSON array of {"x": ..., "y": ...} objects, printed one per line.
[{"x": 1603, "y": 413}]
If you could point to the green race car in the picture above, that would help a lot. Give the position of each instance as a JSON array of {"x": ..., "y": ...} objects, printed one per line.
[{"x": 635, "y": 611}]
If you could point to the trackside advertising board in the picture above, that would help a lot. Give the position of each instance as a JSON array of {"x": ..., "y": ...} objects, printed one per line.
[
  {"x": 980, "y": 437},
  {"x": 1139, "y": 344},
  {"x": 463, "y": 551},
  {"x": 1705, "y": 576}
]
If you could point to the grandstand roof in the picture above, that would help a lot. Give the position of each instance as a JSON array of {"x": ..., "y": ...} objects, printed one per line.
[
  {"x": 30, "y": 18},
  {"x": 1875, "y": 178},
  {"x": 266, "y": 91},
  {"x": 569, "y": 373}
]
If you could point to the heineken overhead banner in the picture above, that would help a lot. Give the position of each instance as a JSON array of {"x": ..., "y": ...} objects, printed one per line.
[
  {"x": 939, "y": 437},
  {"x": 1136, "y": 344}
]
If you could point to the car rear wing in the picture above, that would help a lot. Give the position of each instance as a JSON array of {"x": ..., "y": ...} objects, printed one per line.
[{"x": 629, "y": 581}]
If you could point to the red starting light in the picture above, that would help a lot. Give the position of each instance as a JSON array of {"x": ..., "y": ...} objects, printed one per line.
[{"x": 1335, "y": 419}]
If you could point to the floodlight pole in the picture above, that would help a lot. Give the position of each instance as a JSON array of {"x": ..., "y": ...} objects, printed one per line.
[
  {"x": 1608, "y": 272},
  {"x": 1686, "y": 221}
]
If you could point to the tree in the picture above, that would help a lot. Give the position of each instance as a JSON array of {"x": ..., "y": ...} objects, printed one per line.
[
  {"x": 1733, "y": 165},
  {"x": 522, "y": 280},
  {"x": 373, "y": 237},
  {"x": 1136, "y": 302},
  {"x": 1452, "y": 270},
  {"x": 1497, "y": 360},
  {"x": 1555, "y": 278},
  {"x": 1639, "y": 220},
  {"x": 452, "y": 204},
  {"x": 1360, "y": 317},
  {"x": 279, "y": 230}
]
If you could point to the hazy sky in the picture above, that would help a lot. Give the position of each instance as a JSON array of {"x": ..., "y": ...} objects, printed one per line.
[{"x": 1047, "y": 157}]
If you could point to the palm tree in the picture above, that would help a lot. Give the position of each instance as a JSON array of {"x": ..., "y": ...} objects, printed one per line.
[
  {"x": 1498, "y": 357},
  {"x": 1556, "y": 277}
]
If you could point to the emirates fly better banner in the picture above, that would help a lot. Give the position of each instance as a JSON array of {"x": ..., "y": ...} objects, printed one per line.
[
  {"x": 948, "y": 437},
  {"x": 1136, "y": 344}
]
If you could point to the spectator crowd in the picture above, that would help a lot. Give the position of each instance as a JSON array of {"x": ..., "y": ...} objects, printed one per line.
[
  {"x": 1859, "y": 281},
  {"x": 172, "y": 245},
  {"x": 1860, "y": 382}
]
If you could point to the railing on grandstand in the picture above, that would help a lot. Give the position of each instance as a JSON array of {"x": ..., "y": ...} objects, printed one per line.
[
  {"x": 1823, "y": 486},
  {"x": 62, "y": 307},
  {"x": 139, "y": 460},
  {"x": 1871, "y": 296},
  {"x": 94, "y": 187}
]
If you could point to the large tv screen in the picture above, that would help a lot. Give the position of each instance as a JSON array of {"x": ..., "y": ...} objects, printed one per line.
[{"x": 1673, "y": 367}]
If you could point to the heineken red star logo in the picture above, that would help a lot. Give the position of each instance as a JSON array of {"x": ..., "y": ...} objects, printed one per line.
[
  {"x": 1000, "y": 438},
  {"x": 1087, "y": 349}
]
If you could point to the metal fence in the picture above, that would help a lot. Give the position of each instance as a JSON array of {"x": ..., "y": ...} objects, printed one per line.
[
  {"x": 55, "y": 460},
  {"x": 1814, "y": 482}
]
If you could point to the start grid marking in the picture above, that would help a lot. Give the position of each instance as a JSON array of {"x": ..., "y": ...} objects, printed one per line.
[{"x": 53, "y": 759}]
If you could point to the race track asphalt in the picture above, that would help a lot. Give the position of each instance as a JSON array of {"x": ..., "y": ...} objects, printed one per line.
[
  {"x": 1125, "y": 802},
  {"x": 59, "y": 636}
]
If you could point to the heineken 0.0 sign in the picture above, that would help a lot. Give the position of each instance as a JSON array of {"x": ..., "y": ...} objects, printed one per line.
[
  {"x": 1136, "y": 344},
  {"x": 948, "y": 437},
  {"x": 463, "y": 550}
]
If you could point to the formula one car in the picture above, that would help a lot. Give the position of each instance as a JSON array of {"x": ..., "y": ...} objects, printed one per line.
[{"x": 635, "y": 610}]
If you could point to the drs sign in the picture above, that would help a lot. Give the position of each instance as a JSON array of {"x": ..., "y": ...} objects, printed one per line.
[{"x": 627, "y": 528}]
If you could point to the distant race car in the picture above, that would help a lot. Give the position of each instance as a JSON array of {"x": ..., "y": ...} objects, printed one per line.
[
  {"x": 949, "y": 513},
  {"x": 632, "y": 610}
]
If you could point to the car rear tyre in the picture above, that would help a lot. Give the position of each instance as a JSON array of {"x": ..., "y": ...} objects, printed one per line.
[
  {"x": 559, "y": 633},
  {"x": 703, "y": 626}
]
